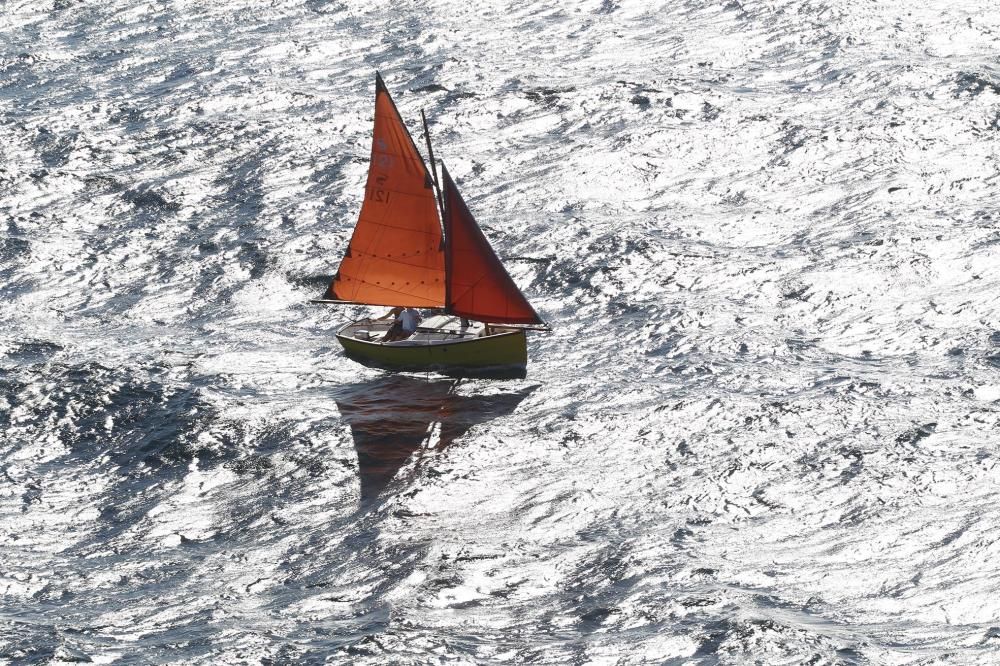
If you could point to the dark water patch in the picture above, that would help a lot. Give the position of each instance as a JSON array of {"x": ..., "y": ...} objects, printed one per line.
[
  {"x": 33, "y": 352},
  {"x": 53, "y": 149},
  {"x": 18, "y": 73},
  {"x": 106, "y": 57},
  {"x": 303, "y": 464},
  {"x": 455, "y": 95},
  {"x": 566, "y": 274},
  {"x": 183, "y": 71},
  {"x": 801, "y": 345},
  {"x": 316, "y": 283},
  {"x": 59, "y": 5},
  {"x": 142, "y": 431},
  {"x": 243, "y": 200},
  {"x": 857, "y": 457},
  {"x": 639, "y": 88},
  {"x": 711, "y": 642},
  {"x": 698, "y": 602},
  {"x": 251, "y": 465},
  {"x": 326, "y": 6},
  {"x": 395, "y": 417},
  {"x": 327, "y": 183},
  {"x": 253, "y": 257},
  {"x": 641, "y": 101},
  {"x": 146, "y": 197},
  {"x": 528, "y": 260},
  {"x": 592, "y": 619},
  {"x": 974, "y": 83},
  {"x": 13, "y": 249},
  {"x": 800, "y": 293},
  {"x": 348, "y": 573},
  {"x": 429, "y": 88},
  {"x": 550, "y": 97},
  {"x": 951, "y": 537},
  {"x": 747, "y": 638},
  {"x": 131, "y": 116},
  {"x": 665, "y": 344},
  {"x": 792, "y": 137},
  {"x": 28, "y": 642},
  {"x": 140, "y": 426},
  {"x": 915, "y": 435},
  {"x": 136, "y": 436}
]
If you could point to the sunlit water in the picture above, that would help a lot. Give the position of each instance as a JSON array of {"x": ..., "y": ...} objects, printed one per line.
[{"x": 764, "y": 428}]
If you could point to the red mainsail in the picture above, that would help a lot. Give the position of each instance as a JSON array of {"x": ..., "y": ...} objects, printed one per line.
[
  {"x": 478, "y": 286},
  {"x": 395, "y": 255}
]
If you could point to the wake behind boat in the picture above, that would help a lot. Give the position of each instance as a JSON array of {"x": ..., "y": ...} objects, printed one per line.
[{"x": 403, "y": 255}]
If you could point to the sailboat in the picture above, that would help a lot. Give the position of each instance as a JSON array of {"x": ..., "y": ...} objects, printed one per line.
[{"x": 417, "y": 245}]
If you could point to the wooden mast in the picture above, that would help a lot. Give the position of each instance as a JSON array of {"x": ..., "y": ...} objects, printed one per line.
[
  {"x": 440, "y": 200},
  {"x": 434, "y": 174}
]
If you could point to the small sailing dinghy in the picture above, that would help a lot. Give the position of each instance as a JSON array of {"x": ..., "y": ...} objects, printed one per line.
[{"x": 402, "y": 255}]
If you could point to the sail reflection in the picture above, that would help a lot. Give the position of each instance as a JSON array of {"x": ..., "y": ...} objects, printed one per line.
[{"x": 397, "y": 416}]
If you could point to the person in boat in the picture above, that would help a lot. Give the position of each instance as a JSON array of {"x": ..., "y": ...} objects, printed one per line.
[{"x": 404, "y": 324}]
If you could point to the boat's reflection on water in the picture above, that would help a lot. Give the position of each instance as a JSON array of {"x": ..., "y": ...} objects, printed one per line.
[{"x": 399, "y": 416}]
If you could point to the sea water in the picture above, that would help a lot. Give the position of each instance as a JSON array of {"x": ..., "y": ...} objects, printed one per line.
[{"x": 764, "y": 428}]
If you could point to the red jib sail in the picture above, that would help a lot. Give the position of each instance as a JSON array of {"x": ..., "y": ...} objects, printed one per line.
[
  {"x": 395, "y": 255},
  {"x": 478, "y": 285}
]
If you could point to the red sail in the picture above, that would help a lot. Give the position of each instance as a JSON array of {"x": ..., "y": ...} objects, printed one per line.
[
  {"x": 395, "y": 255},
  {"x": 478, "y": 285}
]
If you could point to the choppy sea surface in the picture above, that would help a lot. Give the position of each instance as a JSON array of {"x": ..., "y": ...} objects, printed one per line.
[{"x": 763, "y": 430}]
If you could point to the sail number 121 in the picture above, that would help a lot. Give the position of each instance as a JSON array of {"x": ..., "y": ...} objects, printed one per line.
[{"x": 378, "y": 192}]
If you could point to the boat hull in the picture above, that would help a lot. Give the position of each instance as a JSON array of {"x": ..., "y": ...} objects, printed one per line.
[{"x": 502, "y": 354}]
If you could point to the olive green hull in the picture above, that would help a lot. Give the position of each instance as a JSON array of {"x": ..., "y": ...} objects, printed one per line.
[{"x": 503, "y": 355}]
